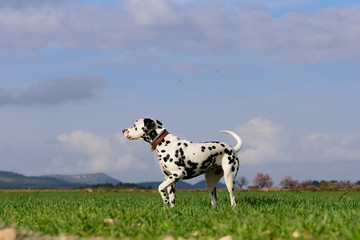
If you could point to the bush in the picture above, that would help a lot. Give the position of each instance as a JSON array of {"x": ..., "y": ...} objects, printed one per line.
[
  {"x": 254, "y": 188},
  {"x": 304, "y": 184},
  {"x": 262, "y": 180},
  {"x": 311, "y": 188},
  {"x": 332, "y": 188},
  {"x": 345, "y": 184},
  {"x": 289, "y": 183}
]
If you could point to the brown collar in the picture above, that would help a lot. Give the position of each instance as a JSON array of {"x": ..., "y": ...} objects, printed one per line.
[{"x": 158, "y": 139}]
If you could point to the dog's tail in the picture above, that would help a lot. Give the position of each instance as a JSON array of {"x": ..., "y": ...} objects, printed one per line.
[{"x": 238, "y": 139}]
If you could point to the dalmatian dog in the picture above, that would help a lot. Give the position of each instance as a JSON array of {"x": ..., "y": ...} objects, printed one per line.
[{"x": 182, "y": 159}]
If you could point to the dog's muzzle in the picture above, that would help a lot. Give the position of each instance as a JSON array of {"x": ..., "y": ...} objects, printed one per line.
[{"x": 126, "y": 135}]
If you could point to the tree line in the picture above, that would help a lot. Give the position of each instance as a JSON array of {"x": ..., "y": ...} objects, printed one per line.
[{"x": 264, "y": 181}]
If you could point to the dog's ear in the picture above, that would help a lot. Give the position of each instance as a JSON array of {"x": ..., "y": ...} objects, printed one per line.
[
  {"x": 149, "y": 123},
  {"x": 158, "y": 122}
]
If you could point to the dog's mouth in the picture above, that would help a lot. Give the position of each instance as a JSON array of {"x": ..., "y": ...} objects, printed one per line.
[{"x": 126, "y": 134}]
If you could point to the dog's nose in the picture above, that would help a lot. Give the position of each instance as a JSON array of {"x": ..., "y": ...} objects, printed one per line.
[{"x": 124, "y": 130}]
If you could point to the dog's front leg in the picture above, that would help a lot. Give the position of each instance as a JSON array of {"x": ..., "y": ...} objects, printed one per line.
[
  {"x": 172, "y": 194},
  {"x": 163, "y": 193},
  {"x": 169, "y": 182}
]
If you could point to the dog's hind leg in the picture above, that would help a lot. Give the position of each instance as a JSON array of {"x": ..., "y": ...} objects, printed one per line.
[
  {"x": 212, "y": 178},
  {"x": 230, "y": 166}
]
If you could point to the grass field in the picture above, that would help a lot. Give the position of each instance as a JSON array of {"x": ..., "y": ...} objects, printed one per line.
[{"x": 259, "y": 215}]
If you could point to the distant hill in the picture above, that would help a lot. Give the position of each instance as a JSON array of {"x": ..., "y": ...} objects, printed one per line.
[
  {"x": 10, "y": 180},
  {"x": 155, "y": 185},
  {"x": 202, "y": 185},
  {"x": 86, "y": 179},
  {"x": 182, "y": 185}
]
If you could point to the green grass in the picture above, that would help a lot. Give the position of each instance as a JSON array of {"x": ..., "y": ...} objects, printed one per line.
[{"x": 258, "y": 215}]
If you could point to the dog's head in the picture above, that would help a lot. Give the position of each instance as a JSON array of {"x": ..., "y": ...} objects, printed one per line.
[{"x": 145, "y": 129}]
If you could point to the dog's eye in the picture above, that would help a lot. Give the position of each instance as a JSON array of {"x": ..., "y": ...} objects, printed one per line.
[{"x": 135, "y": 128}]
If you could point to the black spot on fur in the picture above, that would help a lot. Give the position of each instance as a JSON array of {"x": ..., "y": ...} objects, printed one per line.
[
  {"x": 161, "y": 142},
  {"x": 166, "y": 158},
  {"x": 149, "y": 123},
  {"x": 205, "y": 164}
]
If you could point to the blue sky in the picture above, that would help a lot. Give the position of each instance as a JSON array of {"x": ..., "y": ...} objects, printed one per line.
[{"x": 283, "y": 74}]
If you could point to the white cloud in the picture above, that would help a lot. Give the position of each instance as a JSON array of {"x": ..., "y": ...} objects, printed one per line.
[
  {"x": 341, "y": 153},
  {"x": 24, "y": 3},
  {"x": 166, "y": 26},
  {"x": 54, "y": 91},
  {"x": 128, "y": 160},
  {"x": 85, "y": 142},
  {"x": 155, "y": 12},
  {"x": 267, "y": 142},
  {"x": 264, "y": 141},
  {"x": 319, "y": 147},
  {"x": 315, "y": 141},
  {"x": 97, "y": 153}
]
